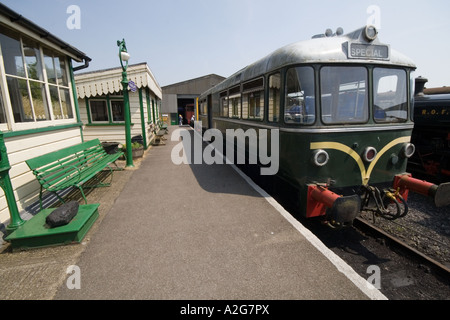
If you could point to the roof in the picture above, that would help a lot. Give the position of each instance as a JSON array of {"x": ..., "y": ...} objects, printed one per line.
[
  {"x": 324, "y": 49},
  {"x": 14, "y": 19},
  {"x": 108, "y": 81},
  {"x": 209, "y": 76},
  {"x": 193, "y": 86}
]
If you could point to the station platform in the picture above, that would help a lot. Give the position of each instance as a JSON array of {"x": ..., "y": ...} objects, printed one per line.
[{"x": 205, "y": 232}]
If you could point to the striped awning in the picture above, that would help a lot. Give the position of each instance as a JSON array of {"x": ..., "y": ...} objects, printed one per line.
[{"x": 108, "y": 81}]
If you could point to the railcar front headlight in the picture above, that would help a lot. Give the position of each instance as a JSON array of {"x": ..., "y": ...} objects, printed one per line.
[
  {"x": 408, "y": 150},
  {"x": 320, "y": 158},
  {"x": 370, "y": 154},
  {"x": 370, "y": 32}
]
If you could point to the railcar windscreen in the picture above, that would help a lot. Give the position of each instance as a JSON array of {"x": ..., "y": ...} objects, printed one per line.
[
  {"x": 390, "y": 96},
  {"x": 344, "y": 95}
]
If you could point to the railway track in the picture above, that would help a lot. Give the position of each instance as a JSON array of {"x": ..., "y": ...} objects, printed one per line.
[
  {"x": 407, "y": 271},
  {"x": 398, "y": 244}
]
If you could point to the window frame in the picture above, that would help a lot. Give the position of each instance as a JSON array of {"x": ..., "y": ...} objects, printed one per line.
[
  {"x": 223, "y": 103},
  {"x": 256, "y": 85},
  {"x": 109, "y": 112},
  {"x": 367, "y": 89},
  {"x": 314, "y": 91},
  {"x": 280, "y": 89},
  {"x": 235, "y": 96},
  {"x": 11, "y": 124},
  {"x": 406, "y": 103}
]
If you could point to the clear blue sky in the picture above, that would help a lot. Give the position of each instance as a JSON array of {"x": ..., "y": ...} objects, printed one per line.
[{"x": 185, "y": 39}]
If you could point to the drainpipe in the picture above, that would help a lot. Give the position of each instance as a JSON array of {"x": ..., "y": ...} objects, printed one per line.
[{"x": 74, "y": 91}]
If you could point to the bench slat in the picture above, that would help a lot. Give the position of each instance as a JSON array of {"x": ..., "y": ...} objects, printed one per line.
[
  {"x": 78, "y": 180},
  {"x": 70, "y": 165},
  {"x": 60, "y": 154}
]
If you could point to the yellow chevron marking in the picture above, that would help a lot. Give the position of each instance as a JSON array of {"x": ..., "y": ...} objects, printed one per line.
[{"x": 365, "y": 175}]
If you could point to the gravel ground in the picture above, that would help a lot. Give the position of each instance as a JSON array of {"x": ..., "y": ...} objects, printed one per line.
[{"x": 425, "y": 228}]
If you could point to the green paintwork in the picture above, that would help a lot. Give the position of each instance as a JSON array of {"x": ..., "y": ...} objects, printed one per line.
[
  {"x": 126, "y": 102},
  {"x": 35, "y": 233},
  {"x": 5, "y": 184},
  {"x": 10, "y": 134},
  {"x": 75, "y": 97},
  {"x": 296, "y": 169},
  {"x": 342, "y": 170}
]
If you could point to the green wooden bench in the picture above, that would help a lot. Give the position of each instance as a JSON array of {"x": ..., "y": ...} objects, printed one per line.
[
  {"x": 72, "y": 167},
  {"x": 163, "y": 126},
  {"x": 159, "y": 137}
]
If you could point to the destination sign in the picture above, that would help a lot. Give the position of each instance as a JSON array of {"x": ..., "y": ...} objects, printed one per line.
[{"x": 368, "y": 51}]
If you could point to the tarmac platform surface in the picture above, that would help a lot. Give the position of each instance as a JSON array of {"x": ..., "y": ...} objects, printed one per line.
[{"x": 195, "y": 232}]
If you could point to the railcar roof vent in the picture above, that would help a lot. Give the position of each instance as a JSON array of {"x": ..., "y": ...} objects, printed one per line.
[{"x": 329, "y": 33}]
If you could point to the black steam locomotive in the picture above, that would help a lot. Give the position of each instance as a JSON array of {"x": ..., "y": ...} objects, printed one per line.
[{"x": 431, "y": 134}]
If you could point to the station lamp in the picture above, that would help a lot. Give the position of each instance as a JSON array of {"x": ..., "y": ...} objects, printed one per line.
[{"x": 124, "y": 57}]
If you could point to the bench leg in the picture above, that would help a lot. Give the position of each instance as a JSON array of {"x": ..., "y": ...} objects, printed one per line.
[
  {"x": 80, "y": 187},
  {"x": 100, "y": 184},
  {"x": 117, "y": 168},
  {"x": 82, "y": 193},
  {"x": 40, "y": 199},
  {"x": 54, "y": 192}
]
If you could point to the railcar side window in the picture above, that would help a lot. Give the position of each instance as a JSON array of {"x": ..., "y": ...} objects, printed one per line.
[
  {"x": 224, "y": 104},
  {"x": 390, "y": 95},
  {"x": 274, "y": 97},
  {"x": 299, "y": 104},
  {"x": 234, "y": 102},
  {"x": 203, "y": 110},
  {"x": 344, "y": 94},
  {"x": 253, "y": 99}
]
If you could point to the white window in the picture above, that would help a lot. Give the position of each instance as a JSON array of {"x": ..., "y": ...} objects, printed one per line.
[
  {"x": 36, "y": 83},
  {"x": 108, "y": 110}
]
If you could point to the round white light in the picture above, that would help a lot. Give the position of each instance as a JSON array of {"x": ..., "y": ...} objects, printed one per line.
[
  {"x": 320, "y": 158},
  {"x": 124, "y": 56},
  {"x": 370, "y": 33},
  {"x": 370, "y": 154},
  {"x": 408, "y": 150}
]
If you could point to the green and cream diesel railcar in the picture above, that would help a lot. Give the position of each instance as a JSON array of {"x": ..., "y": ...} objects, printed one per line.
[{"x": 342, "y": 105}]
